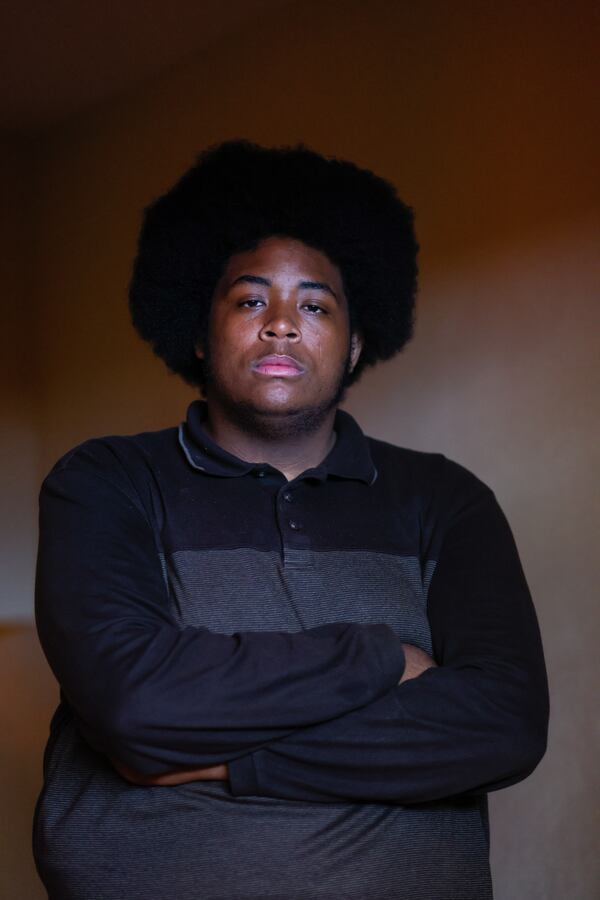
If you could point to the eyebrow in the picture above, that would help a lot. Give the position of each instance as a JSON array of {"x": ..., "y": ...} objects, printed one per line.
[
  {"x": 318, "y": 286},
  {"x": 303, "y": 285}
]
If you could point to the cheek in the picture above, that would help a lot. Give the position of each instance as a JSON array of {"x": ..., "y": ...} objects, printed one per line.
[
  {"x": 335, "y": 350},
  {"x": 228, "y": 340}
]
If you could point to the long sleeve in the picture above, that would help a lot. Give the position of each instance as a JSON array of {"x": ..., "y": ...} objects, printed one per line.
[
  {"x": 150, "y": 693},
  {"x": 476, "y": 723}
]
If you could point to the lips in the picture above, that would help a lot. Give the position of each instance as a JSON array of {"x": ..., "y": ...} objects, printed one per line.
[{"x": 279, "y": 366}]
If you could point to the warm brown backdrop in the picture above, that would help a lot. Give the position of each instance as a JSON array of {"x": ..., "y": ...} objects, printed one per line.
[{"x": 483, "y": 116}]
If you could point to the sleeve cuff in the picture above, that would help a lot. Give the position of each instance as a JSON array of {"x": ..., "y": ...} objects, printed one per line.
[{"x": 242, "y": 776}]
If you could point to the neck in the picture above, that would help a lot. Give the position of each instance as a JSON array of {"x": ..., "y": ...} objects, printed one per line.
[{"x": 287, "y": 445}]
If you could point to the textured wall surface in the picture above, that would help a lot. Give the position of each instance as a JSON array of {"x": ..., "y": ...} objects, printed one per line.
[{"x": 481, "y": 116}]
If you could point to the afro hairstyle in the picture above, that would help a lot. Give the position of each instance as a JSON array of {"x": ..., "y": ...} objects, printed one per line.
[{"x": 238, "y": 194}]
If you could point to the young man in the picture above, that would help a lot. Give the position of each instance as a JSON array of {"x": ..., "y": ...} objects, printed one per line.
[{"x": 293, "y": 660}]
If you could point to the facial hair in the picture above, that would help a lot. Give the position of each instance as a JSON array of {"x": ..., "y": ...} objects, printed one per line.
[{"x": 273, "y": 425}]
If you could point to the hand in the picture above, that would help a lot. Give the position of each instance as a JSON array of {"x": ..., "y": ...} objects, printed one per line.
[
  {"x": 416, "y": 662},
  {"x": 177, "y": 776}
]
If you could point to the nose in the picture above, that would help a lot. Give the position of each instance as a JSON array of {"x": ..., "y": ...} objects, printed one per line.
[{"x": 280, "y": 324}]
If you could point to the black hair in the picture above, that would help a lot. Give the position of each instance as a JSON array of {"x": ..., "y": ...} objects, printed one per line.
[{"x": 238, "y": 194}]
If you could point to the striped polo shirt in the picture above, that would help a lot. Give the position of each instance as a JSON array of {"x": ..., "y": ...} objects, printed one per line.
[{"x": 198, "y": 609}]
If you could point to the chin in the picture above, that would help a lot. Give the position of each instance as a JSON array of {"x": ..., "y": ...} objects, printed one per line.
[{"x": 282, "y": 420}]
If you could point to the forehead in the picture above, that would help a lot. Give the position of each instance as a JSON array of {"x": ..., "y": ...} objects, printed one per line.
[{"x": 282, "y": 258}]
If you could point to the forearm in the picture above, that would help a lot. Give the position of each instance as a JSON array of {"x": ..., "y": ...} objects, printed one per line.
[
  {"x": 438, "y": 736},
  {"x": 416, "y": 662},
  {"x": 145, "y": 715}
]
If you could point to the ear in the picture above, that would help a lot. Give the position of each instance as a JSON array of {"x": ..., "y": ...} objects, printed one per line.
[{"x": 356, "y": 345}]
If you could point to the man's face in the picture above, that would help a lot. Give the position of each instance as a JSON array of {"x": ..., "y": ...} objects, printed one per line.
[{"x": 279, "y": 344}]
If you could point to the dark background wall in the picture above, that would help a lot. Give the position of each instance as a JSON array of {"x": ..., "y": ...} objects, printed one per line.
[{"x": 482, "y": 115}]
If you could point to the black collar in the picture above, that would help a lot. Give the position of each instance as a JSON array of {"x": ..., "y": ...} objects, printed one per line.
[{"x": 349, "y": 457}]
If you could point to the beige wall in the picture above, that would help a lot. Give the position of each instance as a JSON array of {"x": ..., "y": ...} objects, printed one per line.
[{"x": 481, "y": 115}]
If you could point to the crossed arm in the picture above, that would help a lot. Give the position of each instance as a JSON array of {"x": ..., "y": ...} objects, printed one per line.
[
  {"x": 416, "y": 661},
  {"x": 338, "y": 712}
]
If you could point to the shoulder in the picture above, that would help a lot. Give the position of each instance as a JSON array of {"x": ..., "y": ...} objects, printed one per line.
[
  {"x": 442, "y": 494},
  {"x": 129, "y": 464},
  {"x": 429, "y": 474},
  {"x": 109, "y": 453},
  {"x": 438, "y": 490}
]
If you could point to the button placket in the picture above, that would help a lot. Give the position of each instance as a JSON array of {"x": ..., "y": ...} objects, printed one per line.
[{"x": 295, "y": 542}]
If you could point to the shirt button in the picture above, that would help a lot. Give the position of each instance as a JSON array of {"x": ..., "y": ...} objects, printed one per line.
[
  {"x": 261, "y": 473},
  {"x": 288, "y": 497},
  {"x": 295, "y": 526}
]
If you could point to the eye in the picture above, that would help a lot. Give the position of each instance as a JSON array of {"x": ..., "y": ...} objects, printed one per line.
[
  {"x": 314, "y": 308},
  {"x": 251, "y": 303}
]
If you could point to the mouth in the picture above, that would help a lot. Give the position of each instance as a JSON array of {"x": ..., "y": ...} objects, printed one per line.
[{"x": 278, "y": 366}]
